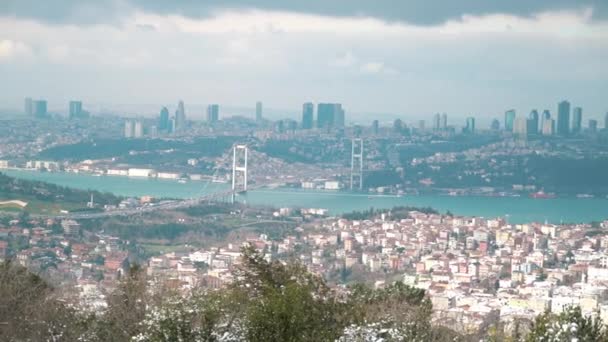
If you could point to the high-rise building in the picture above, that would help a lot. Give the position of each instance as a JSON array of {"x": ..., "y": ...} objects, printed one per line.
[
  {"x": 606, "y": 121},
  {"x": 138, "y": 129},
  {"x": 577, "y": 119},
  {"x": 40, "y": 109},
  {"x": 548, "y": 127},
  {"x": 509, "y": 120},
  {"x": 563, "y": 118},
  {"x": 533, "y": 122},
  {"x": 520, "y": 126},
  {"x": 444, "y": 121},
  {"x": 339, "y": 116},
  {"x": 495, "y": 126},
  {"x": 129, "y": 129},
  {"x": 437, "y": 122},
  {"x": 592, "y": 126},
  {"x": 213, "y": 113},
  {"x": 546, "y": 115},
  {"x": 258, "y": 111},
  {"x": 375, "y": 127},
  {"x": 180, "y": 117},
  {"x": 75, "y": 109},
  {"x": 28, "y": 106},
  {"x": 163, "y": 120},
  {"x": 307, "y": 115},
  {"x": 470, "y": 125},
  {"x": 330, "y": 115}
]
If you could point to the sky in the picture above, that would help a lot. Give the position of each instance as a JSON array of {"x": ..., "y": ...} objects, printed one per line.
[{"x": 405, "y": 58}]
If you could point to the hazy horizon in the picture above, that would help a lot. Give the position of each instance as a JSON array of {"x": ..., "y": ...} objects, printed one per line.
[{"x": 410, "y": 59}]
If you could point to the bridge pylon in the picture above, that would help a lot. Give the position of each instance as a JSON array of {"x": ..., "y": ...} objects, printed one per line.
[
  {"x": 239, "y": 168},
  {"x": 356, "y": 164}
]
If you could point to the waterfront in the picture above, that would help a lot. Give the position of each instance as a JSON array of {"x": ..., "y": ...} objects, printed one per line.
[{"x": 518, "y": 209}]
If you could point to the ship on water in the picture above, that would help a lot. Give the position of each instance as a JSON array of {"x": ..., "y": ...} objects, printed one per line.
[{"x": 542, "y": 195}]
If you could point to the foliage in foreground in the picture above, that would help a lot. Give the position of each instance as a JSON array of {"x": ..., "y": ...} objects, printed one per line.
[{"x": 269, "y": 301}]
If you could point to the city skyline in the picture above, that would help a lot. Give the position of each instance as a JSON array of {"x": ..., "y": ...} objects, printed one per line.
[{"x": 237, "y": 53}]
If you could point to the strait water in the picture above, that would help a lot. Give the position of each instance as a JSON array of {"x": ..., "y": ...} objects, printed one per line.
[{"x": 518, "y": 209}]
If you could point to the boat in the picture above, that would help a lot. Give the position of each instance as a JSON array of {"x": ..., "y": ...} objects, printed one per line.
[
  {"x": 542, "y": 195},
  {"x": 584, "y": 196},
  {"x": 182, "y": 181}
]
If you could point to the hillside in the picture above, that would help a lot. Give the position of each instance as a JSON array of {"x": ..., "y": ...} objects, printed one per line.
[{"x": 44, "y": 198}]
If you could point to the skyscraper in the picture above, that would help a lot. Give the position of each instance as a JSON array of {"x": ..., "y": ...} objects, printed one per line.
[
  {"x": 509, "y": 120},
  {"x": 258, "y": 111},
  {"x": 532, "y": 122},
  {"x": 163, "y": 120},
  {"x": 563, "y": 118},
  {"x": 180, "y": 117},
  {"x": 444, "y": 121},
  {"x": 592, "y": 126},
  {"x": 437, "y": 122},
  {"x": 330, "y": 115},
  {"x": 75, "y": 109},
  {"x": 470, "y": 127},
  {"x": 546, "y": 115},
  {"x": 129, "y": 129},
  {"x": 28, "y": 106},
  {"x": 606, "y": 121},
  {"x": 577, "y": 119},
  {"x": 138, "y": 129},
  {"x": 520, "y": 126},
  {"x": 548, "y": 127},
  {"x": 495, "y": 126},
  {"x": 40, "y": 109},
  {"x": 213, "y": 113},
  {"x": 307, "y": 115}
]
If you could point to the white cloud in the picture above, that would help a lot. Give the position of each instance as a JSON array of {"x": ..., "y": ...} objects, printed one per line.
[{"x": 10, "y": 49}]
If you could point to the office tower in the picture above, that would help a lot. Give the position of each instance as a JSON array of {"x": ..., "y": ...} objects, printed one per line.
[
  {"x": 577, "y": 119},
  {"x": 330, "y": 115},
  {"x": 163, "y": 120},
  {"x": 437, "y": 122},
  {"x": 592, "y": 126},
  {"x": 180, "y": 117},
  {"x": 444, "y": 121},
  {"x": 375, "y": 127},
  {"x": 470, "y": 127},
  {"x": 258, "y": 111},
  {"x": 606, "y": 121},
  {"x": 546, "y": 115},
  {"x": 75, "y": 109},
  {"x": 533, "y": 122},
  {"x": 213, "y": 113},
  {"x": 520, "y": 126},
  {"x": 509, "y": 120},
  {"x": 129, "y": 129},
  {"x": 291, "y": 125},
  {"x": 563, "y": 118},
  {"x": 307, "y": 115},
  {"x": 138, "y": 129},
  {"x": 28, "y": 106},
  {"x": 548, "y": 127},
  {"x": 279, "y": 126},
  {"x": 40, "y": 109},
  {"x": 495, "y": 126},
  {"x": 339, "y": 116}
]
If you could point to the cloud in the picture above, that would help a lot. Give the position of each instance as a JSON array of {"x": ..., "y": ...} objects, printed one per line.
[
  {"x": 420, "y": 12},
  {"x": 10, "y": 49}
]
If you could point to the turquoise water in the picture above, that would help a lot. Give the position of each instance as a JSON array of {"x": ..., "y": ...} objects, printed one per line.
[{"x": 518, "y": 209}]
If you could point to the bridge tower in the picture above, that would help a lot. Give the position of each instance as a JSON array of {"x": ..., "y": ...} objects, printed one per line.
[
  {"x": 239, "y": 155},
  {"x": 356, "y": 164}
]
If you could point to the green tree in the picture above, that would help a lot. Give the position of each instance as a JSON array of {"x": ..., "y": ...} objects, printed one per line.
[{"x": 569, "y": 325}]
